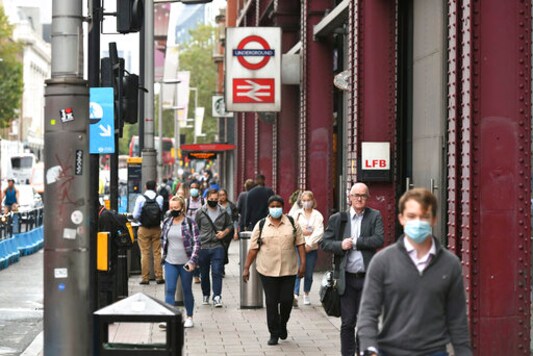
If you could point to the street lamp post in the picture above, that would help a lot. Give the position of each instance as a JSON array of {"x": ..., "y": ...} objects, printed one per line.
[
  {"x": 160, "y": 125},
  {"x": 195, "y": 106}
]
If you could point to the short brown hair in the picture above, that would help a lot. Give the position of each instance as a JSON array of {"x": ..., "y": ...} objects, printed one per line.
[{"x": 422, "y": 196}]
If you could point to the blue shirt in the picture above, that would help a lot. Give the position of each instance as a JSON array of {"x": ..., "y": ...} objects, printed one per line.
[
  {"x": 355, "y": 263},
  {"x": 11, "y": 197}
]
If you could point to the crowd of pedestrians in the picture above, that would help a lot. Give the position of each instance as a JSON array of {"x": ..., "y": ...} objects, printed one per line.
[{"x": 414, "y": 286}]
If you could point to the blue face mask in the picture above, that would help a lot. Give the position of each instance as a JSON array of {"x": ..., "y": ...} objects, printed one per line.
[
  {"x": 417, "y": 230},
  {"x": 194, "y": 192},
  {"x": 275, "y": 212}
]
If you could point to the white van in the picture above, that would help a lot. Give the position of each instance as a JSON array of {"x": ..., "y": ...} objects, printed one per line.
[{"x": 22, "y": 167}]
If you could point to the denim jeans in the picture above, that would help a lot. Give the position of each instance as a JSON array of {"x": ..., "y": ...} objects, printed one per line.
[
  {"x": 213, "y": 259},
  {"x": 172, "y": 272},
  {"x": 310, "y": 262}
]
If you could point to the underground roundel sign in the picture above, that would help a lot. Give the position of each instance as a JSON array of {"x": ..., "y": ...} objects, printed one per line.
[{"x": 253, "y": 67}]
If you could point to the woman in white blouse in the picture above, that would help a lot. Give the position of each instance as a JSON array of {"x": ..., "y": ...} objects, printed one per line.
[{"x": 312, "y": 224}]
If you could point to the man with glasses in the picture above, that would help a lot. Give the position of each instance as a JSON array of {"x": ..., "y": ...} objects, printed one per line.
[{"x": 353, "y": 238}]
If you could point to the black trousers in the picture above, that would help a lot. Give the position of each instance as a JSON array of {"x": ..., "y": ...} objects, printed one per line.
[
  {"x": 350, "y": 301},
  {"x": 278, "y": 295}
]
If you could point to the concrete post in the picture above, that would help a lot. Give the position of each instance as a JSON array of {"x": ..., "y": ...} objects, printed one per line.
[
  {"x": 148, "y": 152},
  {"x": 67, "y": 292}
]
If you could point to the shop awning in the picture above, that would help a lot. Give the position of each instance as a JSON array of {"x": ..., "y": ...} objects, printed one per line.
[
  {"x": 336, "y": 18},
  {"x": 208, "y": 147}
]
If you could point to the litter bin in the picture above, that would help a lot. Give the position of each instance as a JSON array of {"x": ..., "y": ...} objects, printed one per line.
[
  {"x": 138, "y": 308},
  {"x": 251, "y": 292}
]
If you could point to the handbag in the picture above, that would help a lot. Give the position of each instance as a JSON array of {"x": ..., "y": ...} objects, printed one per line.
[{"x": 329, "y": 297}]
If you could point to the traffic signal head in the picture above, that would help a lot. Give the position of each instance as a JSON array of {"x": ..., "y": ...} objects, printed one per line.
[
  {"x": 130, "y": 15},
  {"x": 130, "y": 97}
]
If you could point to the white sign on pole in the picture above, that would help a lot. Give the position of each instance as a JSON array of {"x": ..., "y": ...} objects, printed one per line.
[
  {"x": 219, "y": 107},
  {"x": 253, "y": 69},
  {"x": 375, "y": 155}
]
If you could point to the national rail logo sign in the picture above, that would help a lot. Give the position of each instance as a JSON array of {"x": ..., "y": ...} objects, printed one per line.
[{"x": 253, "y": 69}]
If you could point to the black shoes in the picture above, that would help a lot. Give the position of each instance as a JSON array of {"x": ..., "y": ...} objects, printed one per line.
[
  {"x": 144, "y": 282},
  {"x": 272, "y": 341},
  {"x": 160, "y": 281},
  {"x": 283, "y": 333}
]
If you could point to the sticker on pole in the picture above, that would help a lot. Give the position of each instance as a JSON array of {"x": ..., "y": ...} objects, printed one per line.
[{"x": 253, "y": 69}]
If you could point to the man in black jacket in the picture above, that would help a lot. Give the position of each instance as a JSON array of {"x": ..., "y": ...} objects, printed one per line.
[
  {"x": 257, "y": 203},
  {"x": 353, "y": 237}
]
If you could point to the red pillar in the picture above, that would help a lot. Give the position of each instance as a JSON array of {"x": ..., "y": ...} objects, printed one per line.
[
  {"x": 375, "y": 82},
  {"x": 496, "y": 173},
  {"x": 316, "y": 117},
  {"x": 288, "y": 18},
  {"x": 264, "y": 150}
]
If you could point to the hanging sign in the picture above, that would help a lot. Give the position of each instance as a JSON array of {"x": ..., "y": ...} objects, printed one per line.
[{"x": 253, "y": 69}]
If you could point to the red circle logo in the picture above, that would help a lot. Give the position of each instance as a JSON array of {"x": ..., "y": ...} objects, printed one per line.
[{"x": 266, "y": 52}]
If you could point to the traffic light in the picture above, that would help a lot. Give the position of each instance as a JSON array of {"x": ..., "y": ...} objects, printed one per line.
[
  {"x": 130, "y": 15},
  {"x": 130, "y": 97},
  {"x": 125, "y": 88}
]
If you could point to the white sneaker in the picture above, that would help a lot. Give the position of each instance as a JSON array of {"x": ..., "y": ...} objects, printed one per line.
[
  {"x": 217, "y": 301},
  {"x": 188, "y": 323},
  {"x": 295, "y": 301},
  {"x": 307, "y": 301}
]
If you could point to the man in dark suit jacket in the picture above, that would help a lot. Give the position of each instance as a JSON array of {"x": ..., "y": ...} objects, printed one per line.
[
  {"x": 257, "y": 203},
  {"x": 353, "y": 237}
]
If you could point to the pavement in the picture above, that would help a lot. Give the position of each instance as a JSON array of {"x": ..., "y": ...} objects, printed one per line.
[{"x": 230, "y": 330}]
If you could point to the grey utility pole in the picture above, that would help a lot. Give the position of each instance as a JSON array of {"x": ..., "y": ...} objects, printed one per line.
[
  {"x": 68, "y": 321},
  {"x": 148, "y": 152}
]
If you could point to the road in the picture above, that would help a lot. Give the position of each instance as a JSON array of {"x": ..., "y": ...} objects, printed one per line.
[{"x": 21, "y": 304}]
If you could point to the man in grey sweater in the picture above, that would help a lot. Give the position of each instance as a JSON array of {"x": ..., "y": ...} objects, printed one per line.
[
  {"x": 214, "y": 224},
  {"x": 418, "y": 287}
]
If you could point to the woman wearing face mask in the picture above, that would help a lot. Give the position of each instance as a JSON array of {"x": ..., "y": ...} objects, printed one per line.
[
  {"x": 312, "y": 223},
  {"x": 181, "y": 247},
  {"x": 272, "y": 243}
]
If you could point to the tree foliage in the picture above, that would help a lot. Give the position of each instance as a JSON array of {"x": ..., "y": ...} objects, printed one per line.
[
  {"x": 197, "y": 57},
  {"x": 11, "y": 84}
]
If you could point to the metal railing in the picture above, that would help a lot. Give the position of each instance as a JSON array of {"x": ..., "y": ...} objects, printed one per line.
[{"x": 21, "y": 234}]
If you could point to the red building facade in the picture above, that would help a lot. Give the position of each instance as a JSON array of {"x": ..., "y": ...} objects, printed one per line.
[{"x": 448, "y": 87}]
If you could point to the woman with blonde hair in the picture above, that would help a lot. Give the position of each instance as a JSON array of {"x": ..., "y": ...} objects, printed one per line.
[
  {"x": 312, "y": 224},
  {"x": 181, "y": 247}
]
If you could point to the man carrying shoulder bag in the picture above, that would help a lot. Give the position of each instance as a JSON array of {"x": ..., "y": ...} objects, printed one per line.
[{"x": 353, "y": 244}]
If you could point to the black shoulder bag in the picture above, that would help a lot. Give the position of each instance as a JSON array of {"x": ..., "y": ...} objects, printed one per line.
[{"x": 329, "y": 297}]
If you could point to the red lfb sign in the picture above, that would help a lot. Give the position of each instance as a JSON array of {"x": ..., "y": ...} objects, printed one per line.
[{"x": 255, "y": 91}]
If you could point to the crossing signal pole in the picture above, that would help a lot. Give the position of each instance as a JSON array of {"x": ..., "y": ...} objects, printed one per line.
[{"x": 67, "y": 266}]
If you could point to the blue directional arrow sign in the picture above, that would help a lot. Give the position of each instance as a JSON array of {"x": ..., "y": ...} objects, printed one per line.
[{"x": 102, "y": 121}]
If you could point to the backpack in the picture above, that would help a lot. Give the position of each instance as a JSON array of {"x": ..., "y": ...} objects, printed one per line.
[
  {"x": 202, "y": 200},
  {"x": 122, "y": 232},
  {"x": 150, "y": 213},
  {"x": 262, "y": 224}
]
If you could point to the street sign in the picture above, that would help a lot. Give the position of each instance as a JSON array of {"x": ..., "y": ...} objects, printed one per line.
[
  {"x": 102, "y": 121},
  {"x": 253, "y": 69}
]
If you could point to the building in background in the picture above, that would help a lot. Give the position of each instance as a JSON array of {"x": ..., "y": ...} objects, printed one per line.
[{"x": 25, "y": 16}]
